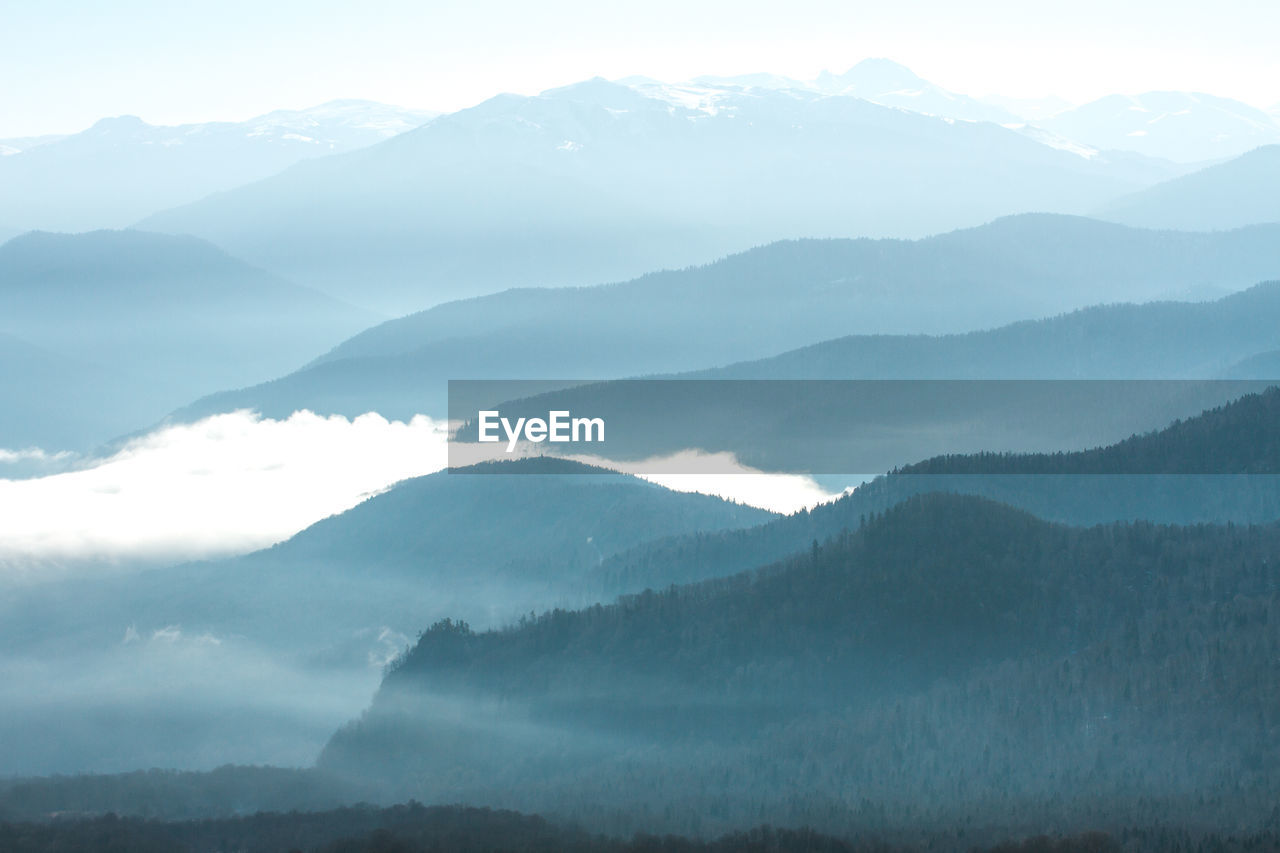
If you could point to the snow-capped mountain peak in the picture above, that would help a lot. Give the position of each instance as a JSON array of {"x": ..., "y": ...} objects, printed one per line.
[
  {"x": 892, "y": 84},
  {"x": 1180, "y": 126}
]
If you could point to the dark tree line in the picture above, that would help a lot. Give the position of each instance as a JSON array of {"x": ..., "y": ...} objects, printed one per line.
[{"x": 414, "y": 828}]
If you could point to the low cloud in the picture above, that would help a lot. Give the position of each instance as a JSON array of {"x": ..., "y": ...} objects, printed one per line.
[
  {"x": 237, "y": 482},
  {"x": 722, "y": 475},
  {"x": 719, "y": 473},
  {"x": 32, "y": 454},
  {"x": 227, "y": 484}
]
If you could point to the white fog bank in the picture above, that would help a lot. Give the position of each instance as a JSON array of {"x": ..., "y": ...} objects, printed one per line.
[
  {"x": 228, "y": 484},
  {"x": 237, "y": 482}
]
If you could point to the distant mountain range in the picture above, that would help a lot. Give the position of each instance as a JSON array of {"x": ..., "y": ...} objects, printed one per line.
[
  {"x": 142, "y": 321},
  {"x": 598, "y": 181},
  {"x": 122, "y": 168},
  {"x": 1181, "y": 126},
  {"x": 791, "y": 427},
  {"x": 791, "y": 294},
  {"x": 9, "y": 147},
  {"x": 1227, "y": 195},
  {"x": 893, "y": 85}
]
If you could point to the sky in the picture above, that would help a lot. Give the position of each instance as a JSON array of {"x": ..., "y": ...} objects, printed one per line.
[{"x": 66, "y": 63}]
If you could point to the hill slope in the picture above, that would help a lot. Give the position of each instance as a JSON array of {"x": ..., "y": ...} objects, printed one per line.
[
  {"x": 786, "y": 295},
  {"x": 256, "y": 659},
  {"x": 159, "y": 318},
  {"x": 43, "y": 394},
  {"x": 1221, "y": 466},
  {"x": 1239, "y": 192},
  {"x": 122, "y": 168},
  {"x": 1153, "y": 340}
]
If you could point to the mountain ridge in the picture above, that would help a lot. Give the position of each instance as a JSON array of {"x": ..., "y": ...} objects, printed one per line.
[
  {"x": 121, "y": 168},
  {"x": 675, "y": 321},
  {"x": 937, "y": 659},
  {"x": 686, "y": 176}
]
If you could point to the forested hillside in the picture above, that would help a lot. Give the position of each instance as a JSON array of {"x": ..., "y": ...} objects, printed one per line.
[
  {"x": 414, "y": 828},
  {"x": 951, "y": 660},
  {"x": 1221, "y": 466}
]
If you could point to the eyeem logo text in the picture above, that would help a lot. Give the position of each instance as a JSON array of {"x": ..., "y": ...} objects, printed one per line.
[{"x": 559, "y": 426}]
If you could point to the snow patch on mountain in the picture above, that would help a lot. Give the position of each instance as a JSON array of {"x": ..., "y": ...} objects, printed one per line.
[
  {"x": 1183, "y": 127},
  {"x": 704, "y": 99}
]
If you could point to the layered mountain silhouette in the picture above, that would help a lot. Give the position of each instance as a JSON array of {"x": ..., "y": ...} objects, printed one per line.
[
  {"x": 1227, "y": 195},
  {"x": 599, "y": 181},
  {"x": 972, "y": 645},
  {"x": 123, "y": 168},
  {"x": 146, "y": 320},
  {"x": 793, "y": 293}
]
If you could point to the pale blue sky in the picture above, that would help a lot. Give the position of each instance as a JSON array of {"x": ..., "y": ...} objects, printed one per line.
[{"x": 64, "y": 64}]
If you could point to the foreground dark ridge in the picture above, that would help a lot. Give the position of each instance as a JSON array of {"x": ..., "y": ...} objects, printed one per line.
[
  {"x": 952, "y": 659},
  {"x": 414, "y": 828}
]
